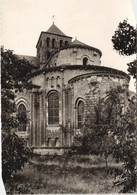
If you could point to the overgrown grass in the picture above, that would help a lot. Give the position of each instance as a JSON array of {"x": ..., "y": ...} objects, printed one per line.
[{"x": 80, "y": 174}]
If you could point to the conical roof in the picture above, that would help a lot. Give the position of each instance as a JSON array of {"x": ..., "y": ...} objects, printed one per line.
[
  {"x": 77, "y": 42},
  {"x": 55, "y": 30}
]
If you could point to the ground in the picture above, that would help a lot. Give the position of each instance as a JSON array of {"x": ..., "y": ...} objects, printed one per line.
[{"x": 51, "y": 174}]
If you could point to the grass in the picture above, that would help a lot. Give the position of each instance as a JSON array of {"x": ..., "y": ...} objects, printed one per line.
[{"x": 49, "y": 175}]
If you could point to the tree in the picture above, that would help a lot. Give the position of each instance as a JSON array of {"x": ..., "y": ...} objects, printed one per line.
[
  {"x": 112, "y": 131},
  {"x": 125, "y": 147},
  {"x": 125, "y": 42},
  {"x": 15, "y": 77},
  {"x": 97, "y": 135}
]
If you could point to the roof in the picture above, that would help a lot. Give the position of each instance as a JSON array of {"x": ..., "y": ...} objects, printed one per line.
[
  {"x": 54, "y": 29},
  {"x": 77, "y": 42},
  {"x": 32, "y": 59}
]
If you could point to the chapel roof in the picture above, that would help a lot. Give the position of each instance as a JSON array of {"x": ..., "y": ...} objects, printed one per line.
[{"x": 77, "y": 42}]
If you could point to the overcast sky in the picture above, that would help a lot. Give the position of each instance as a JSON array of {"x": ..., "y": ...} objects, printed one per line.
[{"x": 91, "y": 21}]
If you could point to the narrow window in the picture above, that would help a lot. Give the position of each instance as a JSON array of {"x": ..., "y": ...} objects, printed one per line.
[
  {"x": 85, "y": 61},
  {"x": 49, "y": 142},
  {"x": 53, "y": 108},
  {"x": 53, "y": 43},
  {"x": 48, "y": 40},
  {"x": 23, "y": 113},
  {"x": 66, "y": 43},
  {"x": 56, "y": 141},
  {"x": 61, "y": 43},
  {"x": 80, "y": 114},
  {"x": 48, "y": 55}
]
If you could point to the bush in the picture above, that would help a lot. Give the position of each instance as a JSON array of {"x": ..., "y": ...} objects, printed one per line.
[{"x": 14, "y": 155}]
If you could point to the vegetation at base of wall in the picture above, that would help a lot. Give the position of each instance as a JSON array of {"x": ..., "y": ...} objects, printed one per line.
[
  {"x": 15, "y": 73},
  {"x": 112, "y": 132},
  {"x": 83, "y": 174},
  {"x": 14, "y": 155}
]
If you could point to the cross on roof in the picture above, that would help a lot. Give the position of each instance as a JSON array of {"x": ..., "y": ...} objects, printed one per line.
[{"x": 53, "y": 18}]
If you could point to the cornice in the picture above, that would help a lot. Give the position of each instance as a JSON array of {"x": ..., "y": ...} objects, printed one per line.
[{"x": 97, "y": 69}]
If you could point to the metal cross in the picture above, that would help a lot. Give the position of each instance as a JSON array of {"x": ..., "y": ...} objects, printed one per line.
[{"x": 53, "y": 18}]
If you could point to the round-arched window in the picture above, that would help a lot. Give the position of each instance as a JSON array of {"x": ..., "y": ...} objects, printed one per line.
[
  {"x": 22, "y": 111},
  {"x": 61, "y": 43},
  {"x": 53, "y": 43},
  {"x": 48, "y": 41},
  {"x": 80, "y": 114},
  {"x": 53, "y": 108},
  {"x": 85, "y": 61},
  {"x": 66, "y": 43}
]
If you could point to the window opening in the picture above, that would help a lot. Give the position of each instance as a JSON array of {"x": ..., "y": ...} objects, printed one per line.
[
  {"x": 22, "y": 111},
  {"x": 80, "y": 114},
  {"x": 85, "y": 61},
  {"x": 53, "y": 108}
]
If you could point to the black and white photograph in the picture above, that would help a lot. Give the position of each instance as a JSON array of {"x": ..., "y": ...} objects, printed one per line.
[{"x": 68, "y": 97}]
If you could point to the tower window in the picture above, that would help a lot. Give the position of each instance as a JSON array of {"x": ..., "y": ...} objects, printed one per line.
[
  {"x": 53, "y": 43},
  {"x": 48, "y": 55},
  {"x": 80, "y": 113},
  {"x": 85, "y": 61},
  {"x": 53, "y": 108},
  {"x": 66, "y": 43},
  {"x": 61, "y": 43},
  {"x": 48, "y": 40},
  {"x": 22, "y": 111}
]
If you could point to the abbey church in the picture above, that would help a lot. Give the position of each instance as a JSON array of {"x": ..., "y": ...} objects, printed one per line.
[{"x": 67, "y": 81}]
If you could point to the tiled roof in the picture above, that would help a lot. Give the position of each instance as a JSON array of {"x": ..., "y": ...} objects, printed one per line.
[
  {"x": 33, "y": 60},
  {"x": 55, "y": 30}
]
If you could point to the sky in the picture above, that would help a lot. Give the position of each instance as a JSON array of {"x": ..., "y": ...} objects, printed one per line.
[{"x": 91, "y": 21}]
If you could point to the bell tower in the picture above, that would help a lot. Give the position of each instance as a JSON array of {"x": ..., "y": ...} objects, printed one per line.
[{"x": 50, "y": 41}]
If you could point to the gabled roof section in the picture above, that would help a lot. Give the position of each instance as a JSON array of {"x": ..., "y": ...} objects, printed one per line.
[{"x": 55, "y": 30}]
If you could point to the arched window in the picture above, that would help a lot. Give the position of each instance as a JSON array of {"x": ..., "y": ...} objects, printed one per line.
[
  {"x": 61, "y": 43},
  {"x": 48, "y": 40},
  {"x": 66, "y": 43},
  {"x": 85, "y": 61},
  {"x": 53, "y": 43},
  {"x": 53, "y": 108},
  {"x": 57, "y": 141},
  {"x": 80, "y": 113},
  {"x": 49, "y": 142},
  {"x": 48, "y": 55},
  {"x": 22, "y": 111}
]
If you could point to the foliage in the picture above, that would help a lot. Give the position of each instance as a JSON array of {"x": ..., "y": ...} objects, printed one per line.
[
  {"x": 132, "y": 68},
  {"x": 124, "y": 39},
  {"x": 97, "y": 136},
  {"x": 125, "y": 42},
  {"x": 15, "y": 74},
  {"x": 125, "y": 149},
  {"x": 14, "y": 154},
  {"x": 112, "y": 131}
]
